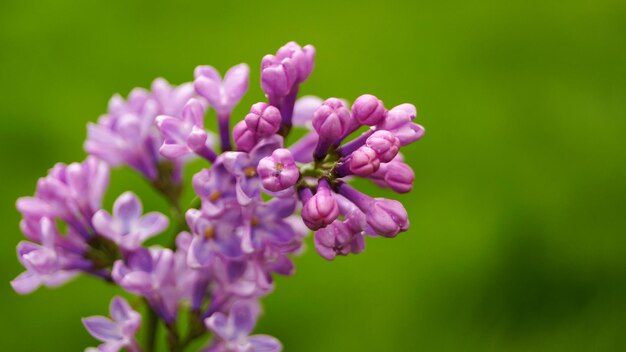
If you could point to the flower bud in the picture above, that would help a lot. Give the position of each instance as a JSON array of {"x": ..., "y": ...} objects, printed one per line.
[
  {"x": 330, "y": 121},
  {"x": 368, "y": 110},
  {"x": 338, "y": 238},
  {"x": 385, "y": 144},
  {"x": 387, "y": 217},
  {"x": 277, "y": 76},
  {"x": 321, "y": 209},
  {"x": 245, "y": 139},
  {"x": 364, "y": 161},
  {"x": 395, "y": 175},
  {"x": 278, "y": 171},
  {"x": 263, "y": 120},
  {"x": 303, "y": 58}
]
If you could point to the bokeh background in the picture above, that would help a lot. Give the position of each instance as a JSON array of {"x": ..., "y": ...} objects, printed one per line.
[{"x": 518, "y": 214}]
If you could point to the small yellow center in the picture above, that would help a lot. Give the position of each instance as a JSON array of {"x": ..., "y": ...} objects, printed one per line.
[
  {"x": 214, "y": 196},
  {"x": 209, "y": 233},
  {"x": 250, "y": 171},
  {"x": 280, "y": 167},
  {"x": 255, "y": 221}
]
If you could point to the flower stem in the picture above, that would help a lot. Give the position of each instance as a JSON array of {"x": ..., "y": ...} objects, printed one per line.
[{"x": 151, "y": 328}]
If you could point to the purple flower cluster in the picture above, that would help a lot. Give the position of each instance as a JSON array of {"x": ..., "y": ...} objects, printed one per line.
[{"x": 257, "y": 198}]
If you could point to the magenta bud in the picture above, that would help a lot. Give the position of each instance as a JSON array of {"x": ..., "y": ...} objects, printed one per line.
[
  {"x": 263, "y": 120},
  {"x": 245, "y": 139},
  {"x": 368, "y": 110},
  {"x": 364, "y": 161},
  {"x": 395, "y": 175},
  {"x": 321, "y": 209},
  {"x": 387, "y": 217},
  {"x": 197, "y": 138},
  {"x": 278, "y": 171},
  {"x": 398, "y": 117},
  {"x": 338, "y": 238},
  {"x": 409, "y": 133},
  {"x": 277, "y": 76},
  {"x": 385, "y": 144},
  {"x": 331, "y": 120},
  {"x": 302, "y": 57}
]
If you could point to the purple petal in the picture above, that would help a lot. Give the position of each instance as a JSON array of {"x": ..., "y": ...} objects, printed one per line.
[
  {"x": 236, "y": 83},
  {"x": 304, "y": 109},
  {"x": 127, "y": 208},
  {"x": 218, "y": 323},
  {"x": 102, "y": 328},
  {"x": 26, "y": 282},
  {"x": 119, "y": 309},
  {"x": 151, "y": 224},
  {"x": 243, "y": 315},
  {"x": 265, "y": 343},
  {"x": 210, "y": 89},
  {"x": 103, "y": 224}
]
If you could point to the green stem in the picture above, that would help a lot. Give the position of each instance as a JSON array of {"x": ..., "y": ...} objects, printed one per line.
[{"x": 151, "y": 328}]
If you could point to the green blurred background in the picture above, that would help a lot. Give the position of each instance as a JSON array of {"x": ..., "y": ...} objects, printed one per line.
[{"x": 518, "y": 214}]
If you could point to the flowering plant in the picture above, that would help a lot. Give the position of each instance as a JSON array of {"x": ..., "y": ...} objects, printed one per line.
[{"x": 257, "y": 198}]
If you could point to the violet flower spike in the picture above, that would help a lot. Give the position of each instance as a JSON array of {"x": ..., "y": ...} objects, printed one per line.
[
  {"x": 127, "y": 227},
  {"x": 278, "y": 172},
  {"x": 321, "y": 209},
  {"x": 232, "y": 331},
  {"x": 222, "y": 95},
  {"x": 119, "y": 331}
]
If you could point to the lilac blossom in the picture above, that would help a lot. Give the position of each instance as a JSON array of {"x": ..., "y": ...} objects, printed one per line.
[
  {"x": 127, "y": 135},
  {"x": 150, "y": 273},
  {"x": 253, "y": 208},
  {"x": 396, "y": 175},
  {"x": 278, "y": 171},
  {"x": 72, "y": 193},
  {"x": 342, "y": 237},
  {"x": 117, "y": 332},
  {"x": 127, "y": 227},
  {"x": 233, "y": 331},
  {"x": 243, "y": 166},
  {"x": 385, "y": 144},
  {"x": 331, "y": 121},
  {"x": 185, "y": 135},
  {"x": 51, "y": 263},
  {"x": 212, "y": 238},
  {"x": 321, "y": 209},
  {"x": 281, "y": 75},
  {"x": 386, "y": 217},
  {"x": 368, "y": 110},
  {"x": 263, "y": 120},
  {"x": 222, "y": 95}
]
